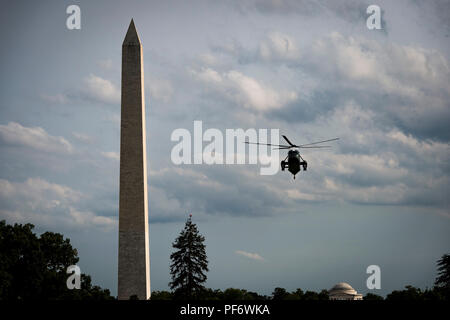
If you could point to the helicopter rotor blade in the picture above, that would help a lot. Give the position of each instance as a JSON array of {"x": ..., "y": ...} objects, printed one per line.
[
  {"x": 284, "y": 148},
  {"x": 309, "y": 144},
  {"x": 314, "y": 147},
  {"x": 290, "y": 143},
  {"x": 268, "y": 144}
]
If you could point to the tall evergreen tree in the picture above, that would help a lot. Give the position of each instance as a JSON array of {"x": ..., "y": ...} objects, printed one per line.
[
  {"x": 189, "y": 262},
  {"x": 443, "y": 267}
]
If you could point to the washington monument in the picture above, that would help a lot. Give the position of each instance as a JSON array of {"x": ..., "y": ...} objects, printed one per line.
[{"x": 134, "y": 255}]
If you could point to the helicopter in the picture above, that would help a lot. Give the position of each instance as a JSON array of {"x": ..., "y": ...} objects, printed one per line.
[{"x": 295, "y": 161}]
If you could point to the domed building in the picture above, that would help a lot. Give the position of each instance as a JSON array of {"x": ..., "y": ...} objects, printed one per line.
[{"x": 343, "y": 291}]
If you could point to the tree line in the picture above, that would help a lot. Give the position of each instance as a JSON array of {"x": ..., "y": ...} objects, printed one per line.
[
  {"x": 190, "y": 264},
  {"x": 410, "y": 293},
  {"x": 34, "y": 268}
]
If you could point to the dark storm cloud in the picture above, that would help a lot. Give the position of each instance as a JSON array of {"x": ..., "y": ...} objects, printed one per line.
[
  {"x": 234, "y": 48},
  {"x": 215, "y": 190},
  {"x": 285, "y": 7},
  {"x": 350, "y": 10},
  {"x": 386, "y": 101},
  {"x": 404, "y": 85},
  {"x": 391, "y": 111},
  {"x": 307, "y": 110},
  {"x": 438, "y": 9}
]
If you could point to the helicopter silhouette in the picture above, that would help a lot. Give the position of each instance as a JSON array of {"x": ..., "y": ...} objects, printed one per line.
[{"x": 295, "y": 161}]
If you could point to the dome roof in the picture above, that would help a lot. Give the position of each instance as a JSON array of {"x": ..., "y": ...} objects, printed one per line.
[{"x": 342, "y": 287}]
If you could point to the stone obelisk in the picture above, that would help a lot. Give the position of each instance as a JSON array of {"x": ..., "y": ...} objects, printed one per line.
[{"x": 134, "y": 255}]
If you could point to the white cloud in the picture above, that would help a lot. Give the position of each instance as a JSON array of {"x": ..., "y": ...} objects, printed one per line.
[
  {"x": 431, "y": 148},
  {"x": 106, "y": 64},
  {"x": 46, "y": 204},
  {"x": 395, "y": 194},
  {"x": 298, "y": 195},
  {"x": 279, "y": 46},
  {"x": 163, "y": 207},
  {"x": 208, "y": 75},
  {"x": 392, "y": 66},
  {"x": 82, "y": 137},
  {"x": 209, "y": 59},
  {"x": 101, "y": 90},
  {"x": 38, "y": 191},
  {"x": 253, "y": 256},
  {"x": 383, "y": 167},
  {"x": 245, "y": 90},
  {"x": 89, "y": 219},
  {"x": 256, "y": 95},
  {"x": 55, "y": 99},
  {"x": 33, "y": 137},
  {"x": 111, "y": 155},
  {"x": 195, "y": 177},
  {"x": 113, "y": 118},
  {"x": 160, "y": 89},
  {"x": 413, "y": 80}
]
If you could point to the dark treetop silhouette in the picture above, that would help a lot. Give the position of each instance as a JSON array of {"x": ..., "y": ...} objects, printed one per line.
[{"x": 189, "y": 262}]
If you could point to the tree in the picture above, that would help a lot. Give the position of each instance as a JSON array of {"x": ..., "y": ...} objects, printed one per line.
[
  {"x": 33, "y": 267},
  {"x": 21, "y": 262},
  {"x": 311, "y": 296},
  {"x": 323, "y": 295},
  {"x": 161, "y": 295},
  {"x": 279, "y": 294},
  {"x": 373, "y": 297},
  {"x": 239, "y": 294},
  {"x": 441, "y": 290},
  {"x": 410, "y": 294},
  {"x": 443, "y": 267},
  {"x": 210, "y": 294},
  {"x": 189, "y": 262}
]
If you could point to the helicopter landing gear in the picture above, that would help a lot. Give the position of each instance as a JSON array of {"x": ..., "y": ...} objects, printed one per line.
[
  {"x": 294, "y": 177},
  {"x": 304, "y": 165}
]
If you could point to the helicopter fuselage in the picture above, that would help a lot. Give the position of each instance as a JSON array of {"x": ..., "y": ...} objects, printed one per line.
[{"x": 293, "y": 163}]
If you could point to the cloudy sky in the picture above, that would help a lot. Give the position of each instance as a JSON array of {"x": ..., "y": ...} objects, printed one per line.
[{"x": 309, "y": 68}]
